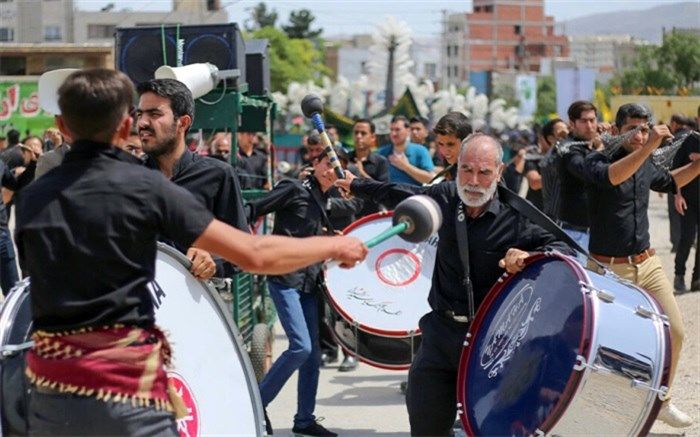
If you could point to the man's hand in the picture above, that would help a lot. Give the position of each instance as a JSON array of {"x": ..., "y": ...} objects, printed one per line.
[
  {"x": 203, "y": 266},
  {"x": 306, "y": 171},
  {"x": 658, "y": 134},
  {"x": 361, "y": 168},
  {"x": 399, "y": 161},
  {"x": 694, "y": 156},
  {"x": 350, "y": 251},
  {"x": 679, "y": 202},
  {"x": 514, "y": 261},
  {"x": 344, "y": 184}
]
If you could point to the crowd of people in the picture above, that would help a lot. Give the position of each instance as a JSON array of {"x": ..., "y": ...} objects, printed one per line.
[{"x": 147, "y": 163}]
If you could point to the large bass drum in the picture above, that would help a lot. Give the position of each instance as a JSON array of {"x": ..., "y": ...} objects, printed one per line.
[
  {"x": 377, "y": 304},
  {"x": 211, "y": 370},
  {"x": 560, "y": 350}
]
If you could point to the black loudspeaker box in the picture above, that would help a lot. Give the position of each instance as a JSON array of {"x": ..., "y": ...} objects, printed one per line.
[
  {"x": 257, "y": 65},
  {"x": 139, "y": 51}
]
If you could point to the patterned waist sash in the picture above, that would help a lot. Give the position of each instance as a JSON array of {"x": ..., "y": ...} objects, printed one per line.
[{"x": 114, "y": 363}]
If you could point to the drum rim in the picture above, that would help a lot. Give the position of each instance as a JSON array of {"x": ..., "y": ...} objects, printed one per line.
[
  {"x": 11, "y": 302},
  {"x": 220, "y": 307},
  {"x": 585, "y": 343},
  {"x": 368, "y": 329}
]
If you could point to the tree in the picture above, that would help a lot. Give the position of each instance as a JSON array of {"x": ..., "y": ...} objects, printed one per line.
[
  {"x": 291, "y": 59},
  {"x": 260, "y": 17},
  {"x": 546, "y": 98},
  {"x": 300, "y": 25},
  {"x": 681, "y": 51}
]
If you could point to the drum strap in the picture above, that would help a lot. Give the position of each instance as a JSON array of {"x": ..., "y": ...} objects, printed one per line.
[{"x": 463, "y": 244}]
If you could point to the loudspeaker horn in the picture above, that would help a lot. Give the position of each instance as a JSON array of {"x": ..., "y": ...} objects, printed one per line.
[{"x": 48, "y": 86}]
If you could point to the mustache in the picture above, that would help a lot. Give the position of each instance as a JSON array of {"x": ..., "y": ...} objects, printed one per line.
[
  {"x": 145, "y": 129},
  {"x": 474, "y": 189}
]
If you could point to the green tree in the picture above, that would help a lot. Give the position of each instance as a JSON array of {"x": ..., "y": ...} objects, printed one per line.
[
  {"x": 260, "y": 17},
  {"x": 681, "y": 51},
  {"x": 291, "y": 60},
  {"x": 300, "y": 23},
  {"x": 546, "y": 97}
]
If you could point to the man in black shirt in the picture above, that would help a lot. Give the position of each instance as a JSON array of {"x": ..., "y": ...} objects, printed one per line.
[
  {"x": 164, "y": 114},
  {"x": 369, "y": 164},
  {"x": 500, "y": 239},
  {"x": 618, "y": 195},
  {"x": 251, "y": 163},
  {"x": 552, "y": 131},
  {"x": 573, "y": 204},
  {"x": 12, "y": 155},
  {"x": 88, "y": 240}
]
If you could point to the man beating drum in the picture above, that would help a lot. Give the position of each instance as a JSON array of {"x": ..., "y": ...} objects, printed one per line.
[
  {"x": 87, "y": 233},
  {"x": 498, "y": 238}
]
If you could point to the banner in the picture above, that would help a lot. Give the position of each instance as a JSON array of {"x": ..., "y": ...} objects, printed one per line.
[
  {"x": 19, "y": 109},
  {"x": 573, "y": 84},
  {"x": 526, "y": 91}
]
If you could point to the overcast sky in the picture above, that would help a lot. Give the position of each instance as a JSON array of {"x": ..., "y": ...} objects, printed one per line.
[{"x": 359, "y": 16}]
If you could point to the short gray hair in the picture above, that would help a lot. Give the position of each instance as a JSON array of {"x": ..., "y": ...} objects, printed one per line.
[{"x": 480, "y": 136}]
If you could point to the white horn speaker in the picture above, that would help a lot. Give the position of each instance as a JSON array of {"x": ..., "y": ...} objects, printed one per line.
[
  {"x": 199, "y": 78},
  {"x": 48, "y": 86}
]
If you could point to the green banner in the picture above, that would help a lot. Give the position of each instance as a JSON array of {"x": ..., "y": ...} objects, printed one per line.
[{"x": 20, "y": 109}]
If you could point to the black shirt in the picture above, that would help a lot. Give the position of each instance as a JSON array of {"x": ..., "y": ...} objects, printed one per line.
[
  {"x": 7, "y": 180},
  {"x": 252, "y": 170},
  {"x": 12, "y": 156},
  {"x": 619, "y": 219},
  {"x": 573, "y": 202},
  {"x": 87, "y": 233},
  {"x": 534, "y": 196},
  {"x": 490, "y": 235},
  {"x": 377, "y": 167},
  {"x": 297, "y": 214},
  {"x": 691, "y": 191}
]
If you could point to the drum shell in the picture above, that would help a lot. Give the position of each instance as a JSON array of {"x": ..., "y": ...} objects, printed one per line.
[{"x": 618, "y": 345}]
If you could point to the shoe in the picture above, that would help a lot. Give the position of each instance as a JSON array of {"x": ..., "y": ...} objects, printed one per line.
[
  {"x": 695, "y": 285},
  {"x": 348, "y": 365},
  {"x": 314, "y": 430},
  {"x": 268, "y": 424},
  {"x": 329, "y": 358},
  {"x": 403, "y": 387},
  {"x": 674, "y": 417},
  {"x": 679, "y": 284}
]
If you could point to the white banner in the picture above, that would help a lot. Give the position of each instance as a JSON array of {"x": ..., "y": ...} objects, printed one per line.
[{"x": 573, "y": 84}]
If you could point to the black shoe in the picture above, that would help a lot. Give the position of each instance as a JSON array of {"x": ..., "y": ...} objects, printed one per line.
[
  {"x": 329, "y": 358},
  {"x": 695, "y": 285},
  {"x": 348, "y": 365},
  {"x": 679, "y": 284},
  {"x": 268, "y": 425},
  {"x": 315, "y": 430}
]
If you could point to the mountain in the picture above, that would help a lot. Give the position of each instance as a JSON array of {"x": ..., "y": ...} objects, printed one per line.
[{"x": 646, "y": 23}]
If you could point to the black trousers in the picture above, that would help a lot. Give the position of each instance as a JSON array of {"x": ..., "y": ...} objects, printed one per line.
[
  {"x": 689, "y": 228},
  {"x": 431, "y": 396},
  {"x": 67, "y": 414},
  {"x": 674, "y": 221}
]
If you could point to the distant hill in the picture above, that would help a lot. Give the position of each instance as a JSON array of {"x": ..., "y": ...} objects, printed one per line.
[{"x": 645, "y": 23}]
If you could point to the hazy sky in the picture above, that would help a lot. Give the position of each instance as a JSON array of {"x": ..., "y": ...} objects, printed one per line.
[{"x": 358, "y": 16}]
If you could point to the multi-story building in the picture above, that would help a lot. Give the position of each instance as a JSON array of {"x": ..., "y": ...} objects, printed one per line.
[
  {"x": 499, "y": 35},
  {"x": 605, "y": 53}
]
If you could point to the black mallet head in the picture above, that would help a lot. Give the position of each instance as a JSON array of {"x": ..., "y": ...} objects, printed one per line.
[{"x": 311, "y": 104}]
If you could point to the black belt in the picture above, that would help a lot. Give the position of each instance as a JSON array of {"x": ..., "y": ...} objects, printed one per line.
[
  {"x": 565, "y": 225},
  {"x": 449, "y": 314}
]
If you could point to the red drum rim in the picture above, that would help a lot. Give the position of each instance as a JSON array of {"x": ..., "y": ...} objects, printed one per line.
[
  {"x": 348, "y": 318},
  {"x": 584, "y": 344}
]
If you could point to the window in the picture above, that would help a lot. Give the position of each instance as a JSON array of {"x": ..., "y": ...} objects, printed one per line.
[
  {"x": 430, "y": 69},
  {"x": 557, "y": 50},
  {"x": 517, "y": 29},
  {"x": 7, "y": 34},
  {"x": 449, "y": 51},
  {"x": 13, "y": 65},
  {"x": 100, "y": 31},
  {"x": 52, "y": 33}
]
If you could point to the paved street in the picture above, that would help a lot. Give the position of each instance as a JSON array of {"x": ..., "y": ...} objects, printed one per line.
[{"x": 368, "y": 402}]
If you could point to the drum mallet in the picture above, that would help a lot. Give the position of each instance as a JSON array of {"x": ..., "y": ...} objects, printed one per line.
[
  {"x": 312, "y": 107},
  {"x": 415, "y": 219}
]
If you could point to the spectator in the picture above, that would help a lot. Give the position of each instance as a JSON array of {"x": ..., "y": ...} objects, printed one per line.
[{"x": 410, "y": 162}]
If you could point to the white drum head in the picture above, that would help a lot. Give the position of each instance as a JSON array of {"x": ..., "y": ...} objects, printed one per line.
[
  {"x": 211, "y": 370},
  {"x": 388, "y": 293}
]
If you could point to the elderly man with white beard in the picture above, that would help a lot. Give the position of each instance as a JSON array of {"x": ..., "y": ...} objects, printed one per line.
[{"x": 499, "y": 238}]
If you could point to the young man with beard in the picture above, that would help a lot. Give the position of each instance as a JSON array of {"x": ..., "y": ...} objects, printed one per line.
[
  {"x": 300, "y": 207},
  {"x": 88, "y": 240},
  {"x": 500, "y": 239},
  {"x": 618, "y": 195},
  {"x": 163, "y": 117},
  {"x": 368, "y": 163}
]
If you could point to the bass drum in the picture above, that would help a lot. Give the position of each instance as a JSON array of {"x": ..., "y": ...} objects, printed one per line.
[
  {"x": 559, "y": 350},
  {"x": 211, "y": 369},
  {"x": 376, "y": 306}
]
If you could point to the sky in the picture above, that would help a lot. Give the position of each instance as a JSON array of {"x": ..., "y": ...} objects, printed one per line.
[{"x": 347, "y": 17}]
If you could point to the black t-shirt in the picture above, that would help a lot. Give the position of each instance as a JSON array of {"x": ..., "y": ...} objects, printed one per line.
[
  {"x": 534, "y": 196},
  {"x": 87, "y": 233},
  {"x": 252, "y": 170}
]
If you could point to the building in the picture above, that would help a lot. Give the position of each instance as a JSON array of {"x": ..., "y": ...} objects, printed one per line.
[
  {"x": 42, "y": 35},
  {"x": 605, "y": 53},
  {"x": 498, "y": 36}
]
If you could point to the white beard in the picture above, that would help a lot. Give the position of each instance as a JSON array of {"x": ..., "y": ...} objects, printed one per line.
[{"x": 486, "y": 194}]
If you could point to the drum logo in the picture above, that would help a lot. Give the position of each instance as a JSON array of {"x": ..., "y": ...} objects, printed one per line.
[
  {"x": 397, "y": 267},
  {"x": 187, "y": 426},
  {"x": 359, "y": 293},
  {"x": 510, "y": 328}
]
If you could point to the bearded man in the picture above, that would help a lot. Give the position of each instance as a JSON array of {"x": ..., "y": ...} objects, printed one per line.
[{"x": 500, "y": 239}]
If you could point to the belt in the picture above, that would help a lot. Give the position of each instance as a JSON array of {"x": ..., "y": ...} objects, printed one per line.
[
  {"x": 449, "y": 314},
  {"x": 632, "y": 259},
  {"x": 565, "y": 225}
]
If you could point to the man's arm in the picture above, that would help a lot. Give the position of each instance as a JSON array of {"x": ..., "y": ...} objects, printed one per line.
[
  {"x": 401, "y": 162},
  {"x": 684, "y": 175},
  {"x": 621, "y": 170},
  {"x": 280, "y": 196},
  {"x": 386, "y": 193}
]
